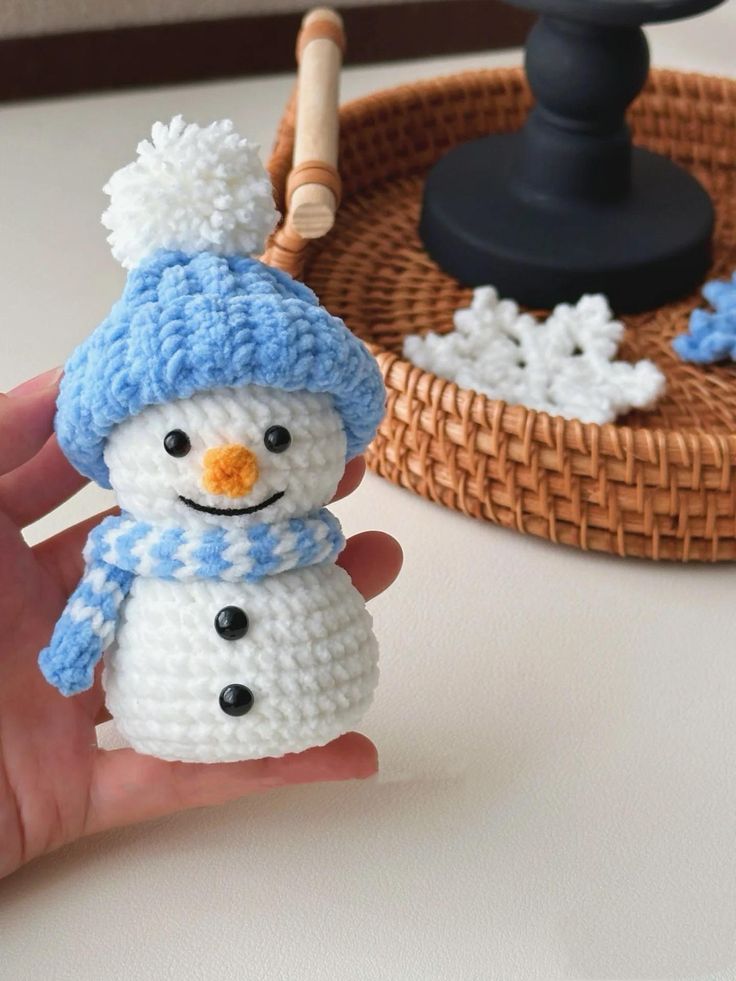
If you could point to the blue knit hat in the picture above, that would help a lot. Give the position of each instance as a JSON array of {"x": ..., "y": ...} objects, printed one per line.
[
  {"x": 187, "y": 323},
  {"x": 195, "y": 315}
]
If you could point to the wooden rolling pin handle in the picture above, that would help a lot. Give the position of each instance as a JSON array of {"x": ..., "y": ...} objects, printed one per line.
[
  {"x": 313, "y": 188},
  {"x": 315, "y": 27},
  {"x": 314, "y": 172}
]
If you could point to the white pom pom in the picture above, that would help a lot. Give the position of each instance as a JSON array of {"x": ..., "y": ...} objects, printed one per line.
[{"x": 194, "y": 189}]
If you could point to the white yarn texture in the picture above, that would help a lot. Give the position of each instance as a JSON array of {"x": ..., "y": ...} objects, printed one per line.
[
  {"x": 564, "y": 366},
  {"x": 192, "y": 188},
  {"x": 148, "y": 482},
  {"x": 309, "y": 658}
]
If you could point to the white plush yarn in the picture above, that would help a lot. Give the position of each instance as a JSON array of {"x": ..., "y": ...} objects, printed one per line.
[
  {"x": 563, "y": 366},
  {"x": 309, "y": 658},
  {"x": 192, "y": 188},
  {"x": 148, "y": 482}
]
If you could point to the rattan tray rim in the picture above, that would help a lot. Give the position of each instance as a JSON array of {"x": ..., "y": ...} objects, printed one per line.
[
  {"x": 617, "y": 440},
  {"x": 640, "y": 459}
]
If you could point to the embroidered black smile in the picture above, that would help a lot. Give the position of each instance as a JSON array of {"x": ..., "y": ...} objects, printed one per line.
[{"x": 231, "y": 512}]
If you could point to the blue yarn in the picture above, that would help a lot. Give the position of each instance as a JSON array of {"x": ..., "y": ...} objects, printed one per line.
[
  {"x": 263, "y": 544},
  {"x": 68, "y": 664},
  {"x": 306, "y": 543},
  {"x": 208, "y": 556},
  {"x": 88, "y": 624},
  {"x": 712, "y": 334},
  {"x": 164, "y": 551},
  {"x": 127, "y": 541},
  {"x": 85, "y": 628},
  {"x": 187, "y": 323}
]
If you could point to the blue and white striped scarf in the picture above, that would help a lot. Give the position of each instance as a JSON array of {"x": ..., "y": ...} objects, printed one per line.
[{"x": 121, "y": 548}]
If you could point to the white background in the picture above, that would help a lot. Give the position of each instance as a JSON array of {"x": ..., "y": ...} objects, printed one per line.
[{"x": 557, "y": 796}]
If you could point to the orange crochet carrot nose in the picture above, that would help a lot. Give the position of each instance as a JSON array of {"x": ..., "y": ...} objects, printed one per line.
[{"x": 231, "y": 470}]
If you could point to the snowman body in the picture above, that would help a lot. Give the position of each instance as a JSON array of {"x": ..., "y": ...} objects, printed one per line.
[
  {"x": 306, "y": 665},
  {"x": 212, "y": 670}
]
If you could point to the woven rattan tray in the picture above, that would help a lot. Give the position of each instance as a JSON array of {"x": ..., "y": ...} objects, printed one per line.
[{"x": 658, "y": 485}]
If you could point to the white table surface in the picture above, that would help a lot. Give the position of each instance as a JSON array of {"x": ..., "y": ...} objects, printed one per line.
[{"x": 557, "y": 796}]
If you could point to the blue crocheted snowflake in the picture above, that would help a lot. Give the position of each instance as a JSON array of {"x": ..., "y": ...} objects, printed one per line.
[{"x": 712, "y": 334}]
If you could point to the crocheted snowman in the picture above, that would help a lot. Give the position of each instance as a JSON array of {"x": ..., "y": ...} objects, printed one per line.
[{"x": 220, "y": 402}]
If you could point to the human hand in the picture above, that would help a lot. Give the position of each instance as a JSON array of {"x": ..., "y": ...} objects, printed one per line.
[{"x": 56, "y": 784}]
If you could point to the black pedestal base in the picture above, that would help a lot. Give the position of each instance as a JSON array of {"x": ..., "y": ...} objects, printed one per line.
[{"x": 645, "y": 249}]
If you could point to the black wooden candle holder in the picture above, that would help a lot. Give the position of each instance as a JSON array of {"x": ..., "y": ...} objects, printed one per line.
[{"x": 567, "y": 205}]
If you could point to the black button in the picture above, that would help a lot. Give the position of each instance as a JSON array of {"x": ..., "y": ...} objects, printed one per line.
[
  {"x": 176, "y": 443},
  {"x": 236, "y": 700},
  {"x": 277, "y": 439},
  {"x": 231, "y": 623}
]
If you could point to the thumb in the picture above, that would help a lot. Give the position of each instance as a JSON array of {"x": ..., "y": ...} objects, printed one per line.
[{"x": 127, "y": 788}]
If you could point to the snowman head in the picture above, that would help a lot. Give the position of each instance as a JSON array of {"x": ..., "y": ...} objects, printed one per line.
[
  {"x": 217, "y": 389},
  {"x": 229, "y": 456}
]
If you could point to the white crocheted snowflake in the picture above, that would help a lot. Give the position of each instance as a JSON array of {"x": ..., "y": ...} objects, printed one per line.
[
  {"x": 563, "y": 366},
  {"x": 192, "y": 188}
]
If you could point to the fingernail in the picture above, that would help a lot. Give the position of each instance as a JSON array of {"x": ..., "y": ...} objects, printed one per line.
[{"x": 47, "y": 379}]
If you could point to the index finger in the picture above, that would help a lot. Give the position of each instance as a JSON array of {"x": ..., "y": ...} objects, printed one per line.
[{"x": 26, "y": 419}]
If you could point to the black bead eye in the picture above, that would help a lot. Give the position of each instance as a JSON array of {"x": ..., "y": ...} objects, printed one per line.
[
  {"x": 231, "y": 623},
  {"x": 176, "y": 443},
  {"x": 236, "y": 700},
  {"x": 277, "y": 439}
]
